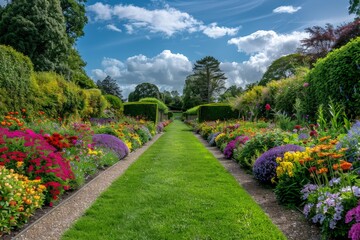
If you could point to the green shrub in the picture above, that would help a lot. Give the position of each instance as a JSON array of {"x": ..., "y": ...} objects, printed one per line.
[
  {"x": 216, "y": 111},
  {"x": 257, "y": 145},
  {"x": 60, "y": 98},
  {"x": 170, "y": 115},
  {"x": 94, "y": 103},
  {"x": 18, "y": 88},
  {"x": 115, "y": 106},
  {"x": 161, "y": 106},
  {"x": 145, "y": 110},
  {"x": 336, "y": 77}
]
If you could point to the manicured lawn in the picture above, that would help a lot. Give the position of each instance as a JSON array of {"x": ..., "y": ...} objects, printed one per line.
[{"x": 175, "y": 190}]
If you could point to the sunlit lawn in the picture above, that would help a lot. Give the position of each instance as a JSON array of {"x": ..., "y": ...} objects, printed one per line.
[{"x": 175, "y": 190}]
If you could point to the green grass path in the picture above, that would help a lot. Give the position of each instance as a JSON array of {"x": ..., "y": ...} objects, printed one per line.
[{"x": 176, "y": 190}]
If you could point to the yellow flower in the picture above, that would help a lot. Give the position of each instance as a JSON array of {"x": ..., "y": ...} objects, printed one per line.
[{"x": 19, "y": 164}]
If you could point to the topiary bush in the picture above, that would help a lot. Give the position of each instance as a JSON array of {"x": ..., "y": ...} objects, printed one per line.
[
  {"x": 264, "y": 168},
  {"x": 336, "y": 77},
  {"x": 112, "y": 143},
  {"x": 144, "y": 110}
]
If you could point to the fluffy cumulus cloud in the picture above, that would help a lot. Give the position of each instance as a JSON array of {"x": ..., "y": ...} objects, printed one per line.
[
  {"x": 214, "y": 31},
  {"x": 167, "y": 20},
  {"x": 167, "y": 70},
  {"x": 286, "y": 9},
  {"x": 263, "y": 47}
]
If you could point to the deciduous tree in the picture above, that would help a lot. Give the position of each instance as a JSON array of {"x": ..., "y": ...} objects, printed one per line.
[{"x": 144, "y": 90}]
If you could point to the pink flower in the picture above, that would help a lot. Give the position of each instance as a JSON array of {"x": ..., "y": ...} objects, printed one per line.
[
  {"x": 267, "y": 107},
  {"x": 306, "y": 84}
]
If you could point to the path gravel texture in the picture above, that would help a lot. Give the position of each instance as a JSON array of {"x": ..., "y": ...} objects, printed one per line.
[
  {"x": 291, "y": 222},
  {"x": 53, "y": 224}
]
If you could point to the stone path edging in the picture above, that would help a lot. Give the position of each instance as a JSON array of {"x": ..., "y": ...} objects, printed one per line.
[
  {"x": 292, "y": 223},
  {"x": 54, "y": 223}
]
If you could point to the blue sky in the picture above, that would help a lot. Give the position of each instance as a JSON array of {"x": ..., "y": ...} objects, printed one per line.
[{"x": 158, "y": 41}]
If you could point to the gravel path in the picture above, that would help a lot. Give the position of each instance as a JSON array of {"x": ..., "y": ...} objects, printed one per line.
[
  {"x": 53, "y": 224},
  {"x": 292, "y": 223}
]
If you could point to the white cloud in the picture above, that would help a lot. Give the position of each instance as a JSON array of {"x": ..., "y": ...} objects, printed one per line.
[
  {"x": 263, "y": 47},
  {"x": 286, "y": 9},
  {"x": 167, "y": 20},
  {"x": 215, "y": 31},
  {"x": 113, "y": 28},
  {"x": 102, "y": 11},
  {"x": 167, "y": 70}
]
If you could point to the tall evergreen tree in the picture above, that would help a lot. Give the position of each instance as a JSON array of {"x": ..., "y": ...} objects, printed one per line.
[
  {"x": 36, "y": 28},
  {"x": 109, "y": 86},
  {"x": 209, "y": 78}
]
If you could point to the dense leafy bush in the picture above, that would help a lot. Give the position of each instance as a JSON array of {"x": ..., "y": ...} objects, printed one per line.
[
  {"x": 94, "y": 103},
  {"x": 115, "y": 106},
  {"x": 257, "y": 145},
  {"x": 264, "y": 168},
  {"x": 161, "y": 106},
  {"x": 336, "y": 77},
  {"x": 18, "y": 88}
]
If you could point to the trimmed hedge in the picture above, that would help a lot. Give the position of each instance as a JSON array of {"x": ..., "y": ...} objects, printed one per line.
[
  {"x": 336, "y": 77},
  {"x": 161, "y": 106},
  {"x": 191, "y": 113},
  {"x": 146, "y": 110},
  {"x": 216, "y": 111}
]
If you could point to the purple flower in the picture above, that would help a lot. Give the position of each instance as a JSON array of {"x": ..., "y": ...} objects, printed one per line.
[
  {"x": 229, "y": 149},
  {"x": 354, "y": 232},
  {"x": 307, "y": 189},
  {"x": 111, "y": 142},
  {"x": 265, "y": 166},
  {"x": 160, "y": 127}
]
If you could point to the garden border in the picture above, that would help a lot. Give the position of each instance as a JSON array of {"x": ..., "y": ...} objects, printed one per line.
[
  {"x": 291, "y": 222},
  {"x": 55, "y": 222}
]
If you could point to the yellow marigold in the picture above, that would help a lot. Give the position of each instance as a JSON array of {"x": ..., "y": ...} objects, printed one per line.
[
  {"x": 218, "y": 137},
  {"x": 129, "y": 145}
]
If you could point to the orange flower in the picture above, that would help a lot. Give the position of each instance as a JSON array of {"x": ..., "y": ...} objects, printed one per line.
[
  {"x": 336, "y": 166},
  {"x": 301, "y": 161},
  {"x": 345, "y": 165},
  {"x": 343, "y": 149},
  {"x": 336, "y": 155},
  {"x": 334, "y": 142},
  {"x": 320, "y": 161},
  {"x": 3, "y": 123},
  {"x": 324, "y": 138},
  {"x": 322, "y": 170},
  {"x": 323, "y": 154}
]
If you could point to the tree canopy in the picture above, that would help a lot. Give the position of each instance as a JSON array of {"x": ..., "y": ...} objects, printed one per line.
[
  {"x": 109, "y": 86},
  {"x": 231, "y": 92},
  {"x": 75, "y": 18},
  {"x": 36, "y": 28},
  {"x": 144, "y": 90},
  {"x": 354, "y": 7},
  {"x": 284, "y": 67}
]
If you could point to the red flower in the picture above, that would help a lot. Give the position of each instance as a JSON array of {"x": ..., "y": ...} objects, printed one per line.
[
  {"x": 312, "y": 169},
  {"x": 313, "y": 133},
  {"x": 267, "y": 107}
]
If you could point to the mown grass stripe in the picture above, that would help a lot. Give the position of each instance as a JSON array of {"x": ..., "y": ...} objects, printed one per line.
[{"x": 175, "y": 190}]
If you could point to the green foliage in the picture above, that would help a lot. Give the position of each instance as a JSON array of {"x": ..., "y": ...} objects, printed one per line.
[
  {"x": 288, "y": 190},
  {"x": 207, "y": 79},
  {"x": 115, "y": 106},
  {"x": 230, "y": 93},
  {"x": 161, "y": 106},
  {"x": 354, "y": 7},
  {"x": 170, "y": 115},
  {"x": 109, "y": 86},
  {"x": 18, "y": 89},
  {"x": 193, "y": 111},
  {"x": 216, "y": 111},
  {"x": 191, "y": 93},
  {"x": 144, "y": 90},
  {"x": 286, "y": 95},
  {"x": 145, "y": 110},
  {"x": 76, "y": 72},
  {"x": 36, "y": 28},
  {"x": 59, "y": 98},
  {"x": 257, "y": 145},
  {"x": 284, "y": 67},
  {"x": 336, "y": 77},
  {"x": 94, "y": 103}
]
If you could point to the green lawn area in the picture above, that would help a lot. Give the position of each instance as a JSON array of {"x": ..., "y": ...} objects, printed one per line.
[{"x": 176, "y": 190}]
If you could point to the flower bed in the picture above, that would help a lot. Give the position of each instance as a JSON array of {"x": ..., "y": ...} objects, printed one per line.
[
  {"x": 43, "y": 158},
  {"x": 318, "y": 172}
]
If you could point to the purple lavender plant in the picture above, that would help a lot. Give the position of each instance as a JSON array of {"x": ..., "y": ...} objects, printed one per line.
[
  {"x": 353, "y": 215},
  {"x": 264, "y": 168},
  {"x": 111, "y": 142},
  {"x": 229, "y": 149}
]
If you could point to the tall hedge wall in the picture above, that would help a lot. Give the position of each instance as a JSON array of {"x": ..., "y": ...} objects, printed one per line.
[
  {"x": 212, "y": 112},
  {"x": 146, "y": 110},
  {"x": 336, "y": 77},
  {"x": 18, "y": 88}
]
